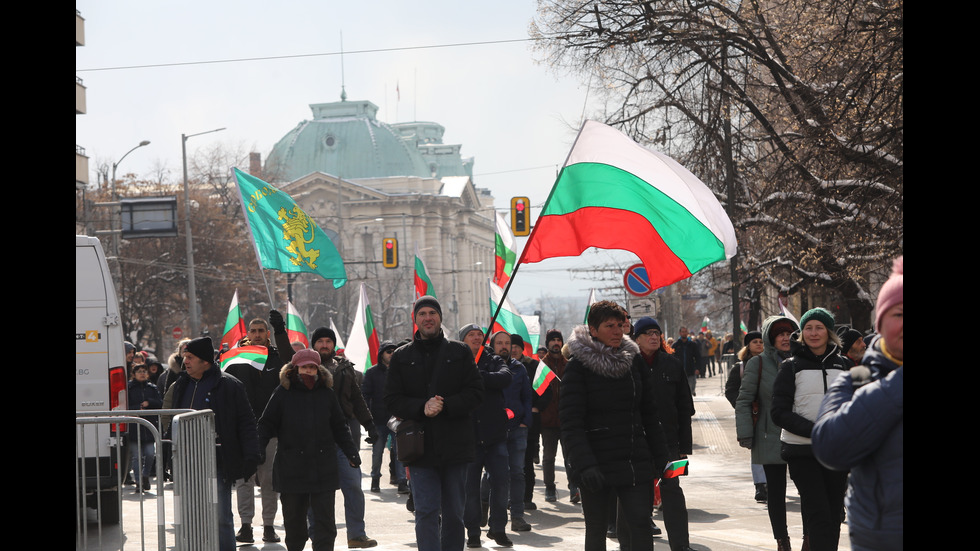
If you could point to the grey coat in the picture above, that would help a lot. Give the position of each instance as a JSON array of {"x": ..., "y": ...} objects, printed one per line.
[{"x": 765, "y": 435}]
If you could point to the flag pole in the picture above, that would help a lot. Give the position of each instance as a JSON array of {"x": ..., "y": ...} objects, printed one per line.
[{"x": 251, "y": 237}]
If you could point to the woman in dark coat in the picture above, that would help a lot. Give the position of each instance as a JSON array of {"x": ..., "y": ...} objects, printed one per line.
[
  {"x": 609, "y": 426},
  {"x": 799, "y": 388},
  {"x": 305, "y": 415},
  {"x": 142, "y": 394}
]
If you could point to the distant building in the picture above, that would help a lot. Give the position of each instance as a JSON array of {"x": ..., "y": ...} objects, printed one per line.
[{"x": 364, "y": 180}]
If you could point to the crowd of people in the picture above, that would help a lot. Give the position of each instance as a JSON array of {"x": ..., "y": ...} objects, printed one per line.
[{"x": 819, "y": 402}]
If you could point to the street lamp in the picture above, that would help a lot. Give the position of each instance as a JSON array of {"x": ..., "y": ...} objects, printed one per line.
[
  {"x": 115, "y": 199},
  {"x": 191, "y": 287}
]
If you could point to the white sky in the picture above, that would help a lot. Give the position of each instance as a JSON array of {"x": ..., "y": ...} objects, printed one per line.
[{"x": 515, "y": 116}]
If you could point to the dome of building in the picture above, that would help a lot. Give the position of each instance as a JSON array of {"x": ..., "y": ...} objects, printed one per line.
[{"x": 346, "y": 140}]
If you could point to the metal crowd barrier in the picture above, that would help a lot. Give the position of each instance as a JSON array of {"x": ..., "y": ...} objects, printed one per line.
[{"x": 194, "y": 513}]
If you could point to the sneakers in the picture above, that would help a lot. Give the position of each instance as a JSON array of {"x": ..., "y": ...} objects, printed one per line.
[
  {"x": 410, "y": 504},
  {"x": 269, "y": 535},
  {"x": 376, "y": 484},
  {"x": 500, "y": 538},
  {"x": 550, "y": 494},
  {"x": 361, "y": 542},
  {"x": 519, "y": 525},
  {"x": 403, "y": 487},
  {"x": 473, "y": 542},
  {"x": 576, "y": 496},
  {"x": 530, "y": 506},
  {"x": 244, "y": 535}
]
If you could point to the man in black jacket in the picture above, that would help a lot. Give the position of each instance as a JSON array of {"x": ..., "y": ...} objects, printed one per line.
[
  {"x": 202, "y": 385},
  {"x": 434, "y": 381},
  {"x": 259, "y": 385},
  {"x": 675, "y": 408},
  {"x": 686, "y": 350}
]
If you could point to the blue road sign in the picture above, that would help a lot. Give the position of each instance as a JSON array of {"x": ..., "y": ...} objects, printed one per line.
[{"x": 636, "y": 281}]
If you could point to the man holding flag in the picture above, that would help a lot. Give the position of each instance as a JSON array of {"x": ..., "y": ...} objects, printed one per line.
[{"x": 260, "y": 381}]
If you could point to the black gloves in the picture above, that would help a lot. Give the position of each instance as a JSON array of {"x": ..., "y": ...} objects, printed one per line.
[
  {"x": 592, "y": 479},
  {"x": 372, "y": 436},
  {"x": 278, "y": 324},
  {"x": 355, "y": 460}
]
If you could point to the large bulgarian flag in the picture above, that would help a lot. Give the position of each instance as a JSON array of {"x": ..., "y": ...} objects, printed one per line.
[
  {"x": 509, "y": 319},
  {"x": 614, "y": 194},
  {"x": 252, "y": 355},
  {"x": 505, "y": 253},
  {"x": 423, "y": 285},
  {"x": 234, "y": 325},
  {"x": 295, "y": 328},
  {"x": 362, "y": 345}
]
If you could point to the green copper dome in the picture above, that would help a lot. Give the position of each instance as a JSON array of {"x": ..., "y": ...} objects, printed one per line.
[{"x": 345, "y": 139}]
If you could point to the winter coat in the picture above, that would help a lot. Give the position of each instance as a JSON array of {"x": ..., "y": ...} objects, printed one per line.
[
  {"x": 688, "y": 352},
  {"x": 234, "y": 422},
  {"x": 310, "y": 426},
  {"x": 518, "y": 396},
  {"x": 608, "y": 413},
  {"x": 861, "y": 429},
  {"x": 448, "y": 368},
  {"x": 675, "y": 406},
  {"x": 373, "y": 390},
  {"x": 138, "y": 393},
  {"x": 797, "y": 392},
  {"x": 348, "y": 390},
  {"x": 765, "y": 434},
  {"x": 490, "y": 419},
  {"x": 549, "y": 414}
]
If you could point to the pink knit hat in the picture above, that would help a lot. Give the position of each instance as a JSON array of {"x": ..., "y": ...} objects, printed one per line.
[{"x": 891, "y": 292}]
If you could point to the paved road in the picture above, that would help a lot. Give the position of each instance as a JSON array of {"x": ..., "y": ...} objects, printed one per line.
[{"x": 719, "y": 490}]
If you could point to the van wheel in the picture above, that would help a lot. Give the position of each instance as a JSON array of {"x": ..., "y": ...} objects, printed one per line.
[{"x": 110, "y": 507}]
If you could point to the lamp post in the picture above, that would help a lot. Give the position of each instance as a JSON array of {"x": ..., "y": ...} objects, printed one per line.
[
  {"x": 191, "y": 286},
  {"x": 115, "y": 199}
]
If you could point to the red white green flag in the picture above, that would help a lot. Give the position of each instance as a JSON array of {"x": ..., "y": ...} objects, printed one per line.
[
  {"x": 295, "y": 328},
  {"x": 339, "y": 347},
  {"x": 676, "y": 468},
  {"x": 588, "y": 305},
  {"x": 252, "y": 355},
  {"x": 423, "y": 285},
  {"x": 533, "y": 324},
  {"x": 613, "y": 193},
  {"x": 363, "y": 344},
  {"x": 509, "y": 319},
  {"x": 505, "y": 253},
  {"x": 704, "y": 324},
  {"x": 543, "y": 376},
  {"x": 234, "y": 325}
]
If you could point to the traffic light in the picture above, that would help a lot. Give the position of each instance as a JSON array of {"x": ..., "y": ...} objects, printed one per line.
[
  {"x": 520, "y": 215},
  {"x": 389, "y": 252}
]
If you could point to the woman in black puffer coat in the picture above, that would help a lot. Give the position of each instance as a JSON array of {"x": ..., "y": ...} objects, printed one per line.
[
  {"x": 609, "y": 427},
  {"x": 304, "y": 413}
]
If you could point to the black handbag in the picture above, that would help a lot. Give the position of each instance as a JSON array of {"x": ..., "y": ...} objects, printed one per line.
[{"x": 410, "y": 440}]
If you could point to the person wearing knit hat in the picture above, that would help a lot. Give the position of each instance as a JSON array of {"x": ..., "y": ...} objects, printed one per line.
[
  {"x": 861, "y": 425},
  {"x": 800, "y": 385},
  {"x": 752, "y": 345},
  {"x": 427, "y": 300},
  {"x": 373, "y": 389},
  {"x": 852, "y": 345}
]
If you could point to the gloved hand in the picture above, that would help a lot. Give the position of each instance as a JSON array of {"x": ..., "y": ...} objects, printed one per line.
[
  {"x": 745, "y": 442},
  {"x": 372, "y": 436},
  {"x": 592, "y": 479},
  {"x": 278, "y": 324},
  {"x": 355, "y": 460}
]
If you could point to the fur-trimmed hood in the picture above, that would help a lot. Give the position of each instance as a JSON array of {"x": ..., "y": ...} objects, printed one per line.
[
  {"x": 599, "y": 358},
  {"x": 286, "y": 376}
]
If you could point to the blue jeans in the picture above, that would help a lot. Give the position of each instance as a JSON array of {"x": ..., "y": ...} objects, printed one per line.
[
  {"x": 439, "y": 492},
  {"x": 350, "y": 486},
  {"x": 494, "y": 458},
  {"x": 226, "y": 522},
  {"x": 516, "y": 449},
  {"x": 141, "y": 452},
  {"x": 378, "y": 452}
]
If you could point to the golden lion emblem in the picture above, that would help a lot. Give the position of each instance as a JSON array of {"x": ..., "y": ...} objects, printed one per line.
[{"x": 295, "y": 229}]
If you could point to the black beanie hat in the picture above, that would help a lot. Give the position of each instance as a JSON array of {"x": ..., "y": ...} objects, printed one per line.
[
  {"x": 751, "y": 336},
  {"x": 202, "y": 347},
  {"x": 429, "y": 301},
  {"x": 323, "y": 332},
  {"x": 516, "y": 339},
  {"x": 848, "y": 338},
  {"x": 553, "y": 334}
]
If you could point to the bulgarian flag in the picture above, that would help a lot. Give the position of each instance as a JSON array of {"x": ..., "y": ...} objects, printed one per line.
[
  {"x": 295, "y": 328},
  {"x": 234, "y": 325},
  {"x": 704, "y": 324},
  {"x": 362, "y": 346},
  {"x": 505, "y": 254},
  {"x": 533, "y": 324},
  {"x": 252, "y": 355},
  {"x": 614, "y": 194},
  {"x": 543, "y": 376},
  {"x": 339, "y": 345},
  {"x": 676, "y": 468},
  {"x": 509, "y": 319},
  {"x": 588, "y": 306},
  {"x": 423, "y": 285}
]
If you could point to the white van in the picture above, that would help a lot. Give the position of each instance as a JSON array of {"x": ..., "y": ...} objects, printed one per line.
[{"x": 100, "y": 375}]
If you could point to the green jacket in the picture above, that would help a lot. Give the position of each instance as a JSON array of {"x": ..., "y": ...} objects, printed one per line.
[{"x": 765, "y": 434}]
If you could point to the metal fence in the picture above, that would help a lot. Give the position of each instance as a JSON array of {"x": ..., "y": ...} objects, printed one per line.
[{"x": 99, "y": 480}]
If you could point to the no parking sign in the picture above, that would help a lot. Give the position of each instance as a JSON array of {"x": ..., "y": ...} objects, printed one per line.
[{"x": 636, "y": 281}]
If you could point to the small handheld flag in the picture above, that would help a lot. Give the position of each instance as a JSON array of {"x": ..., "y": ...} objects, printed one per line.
[{"x": 252, "y": 355}]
